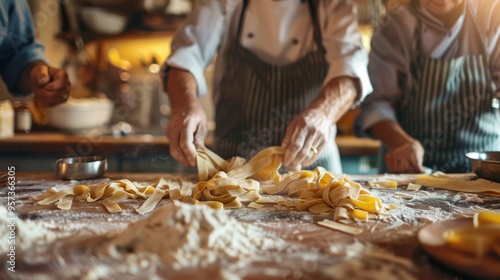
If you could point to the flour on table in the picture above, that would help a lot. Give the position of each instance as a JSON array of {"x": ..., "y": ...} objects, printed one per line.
[
  {"x": 358, "y": 268},
  {"x": 184, "y": 235},
  {"x": 25, "y": 233}
]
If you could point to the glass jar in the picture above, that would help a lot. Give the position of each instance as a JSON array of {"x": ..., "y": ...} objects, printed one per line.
[{"x": 22, "y": 117}]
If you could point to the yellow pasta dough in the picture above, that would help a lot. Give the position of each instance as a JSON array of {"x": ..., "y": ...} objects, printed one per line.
[{"x": 230, "y": 183}]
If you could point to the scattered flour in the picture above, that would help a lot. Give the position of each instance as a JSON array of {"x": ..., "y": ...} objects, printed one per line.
[
  {"x": 184, "y": 235},
  {"x": 358, "y": 268},
  {"x": 21, "y": 234},
  {"x": 368, "y": 261}
]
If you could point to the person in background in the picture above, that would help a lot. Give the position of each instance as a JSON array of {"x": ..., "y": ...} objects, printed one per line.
[
  {"x": 23, "y": 66},
  {"x": 285, "y": 72},
  {"x": 435, "y": 69}
]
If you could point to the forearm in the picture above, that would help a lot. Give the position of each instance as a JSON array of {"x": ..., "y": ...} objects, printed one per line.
[
  {"x": 390, "y": 133},
  {"x": 181, "y": 89},
  {"x": 336, "y": 98}
]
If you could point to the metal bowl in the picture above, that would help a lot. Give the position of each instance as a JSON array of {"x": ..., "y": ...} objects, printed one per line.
[
  {"x": 486, "y": 165},
  {"x": 81, "y": 168}
]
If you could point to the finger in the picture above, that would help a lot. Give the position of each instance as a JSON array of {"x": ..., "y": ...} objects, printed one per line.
[
  {"x": 187, "y": 146},
  {"x": 390, "y": 163},
  {"x": 51, "y": 98},
  {"x": 286, "y": 140},
  {"x": 47, "y": 101},
  {"x": 314, "y": 156},
  {"x": 298, "y": 149},
  {"x": 417, "y": 164},
  {"x": 59, "y": 81},
  {"x": 293, "y": 168},
  {"x": 175, "y": 150},
  {"x": 404, "y": 165},
  {"x": 40, "y": 74},
  {"x": 291, "y": 134},
  {"x": 199, "y": 137}
]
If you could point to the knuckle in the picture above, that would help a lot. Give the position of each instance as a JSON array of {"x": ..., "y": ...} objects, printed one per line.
[{"x": 295, "y": 146}]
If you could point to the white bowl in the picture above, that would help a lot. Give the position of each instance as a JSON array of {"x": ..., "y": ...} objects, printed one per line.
[
  {"x": 103, "y": 21},
  {"x": 81, "y": 113}
]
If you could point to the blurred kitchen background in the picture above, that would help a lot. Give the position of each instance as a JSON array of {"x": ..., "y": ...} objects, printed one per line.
[
  {"x": 116, "y": 48},
  {"x": 113, "y": 49}
]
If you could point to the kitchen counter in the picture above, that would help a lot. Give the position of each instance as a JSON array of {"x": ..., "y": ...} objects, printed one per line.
[
  {"x": 143, "y": 151},
  {"x": 385, "y": 250},
  {"x": 145, "y": 143}
]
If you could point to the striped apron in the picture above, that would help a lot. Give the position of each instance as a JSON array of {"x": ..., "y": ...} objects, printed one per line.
[
  {"x": 258, "y": 100},
  {"x": 450, "y": 108}
]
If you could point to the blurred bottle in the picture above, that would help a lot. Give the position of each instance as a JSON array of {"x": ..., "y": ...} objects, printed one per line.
[
  {"x": 23, "y": 117},
  {"x": 6, "y": 119}
]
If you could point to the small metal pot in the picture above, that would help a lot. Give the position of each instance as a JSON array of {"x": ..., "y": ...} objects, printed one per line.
[
  {"x": 81, "y": 168},
  {"x": 486, "y": 165}
]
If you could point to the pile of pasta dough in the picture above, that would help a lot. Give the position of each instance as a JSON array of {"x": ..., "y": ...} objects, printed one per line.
[{"x": 231, "y": 183}]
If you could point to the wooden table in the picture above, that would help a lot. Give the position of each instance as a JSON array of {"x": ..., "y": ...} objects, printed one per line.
[{"x": 319, "y": 249}]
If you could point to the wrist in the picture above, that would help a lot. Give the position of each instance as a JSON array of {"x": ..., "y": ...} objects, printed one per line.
[
  {"x": 335, "y": 98},
  {"x": 391, "y": 134},
  {"x": 24, "y": 84}
]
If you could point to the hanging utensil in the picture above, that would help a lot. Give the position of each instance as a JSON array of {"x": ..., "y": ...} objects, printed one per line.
[{"x": 79, "y": 65}]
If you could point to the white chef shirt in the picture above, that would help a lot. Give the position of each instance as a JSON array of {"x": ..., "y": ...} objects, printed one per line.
[{"x": 274, "y": 26}]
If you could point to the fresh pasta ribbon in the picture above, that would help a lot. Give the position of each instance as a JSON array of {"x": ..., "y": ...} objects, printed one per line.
[
  {"x": 323, "y": 191},
  {"x": 229, "y": 184},
  {"x": 480, "y": 239},
  {"x": 228, "y": 191}
]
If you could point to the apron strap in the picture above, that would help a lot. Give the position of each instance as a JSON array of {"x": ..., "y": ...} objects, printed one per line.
[{"x": 482, "y": 36}]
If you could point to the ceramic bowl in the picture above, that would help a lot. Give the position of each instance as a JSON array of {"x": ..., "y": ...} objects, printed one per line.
[
  {"x": 81, "y": 113},
  {"x": 103, "y": 21}
]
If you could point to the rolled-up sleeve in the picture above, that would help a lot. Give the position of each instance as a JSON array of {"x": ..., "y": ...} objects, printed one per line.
[
  {"x": 18, "y": 45},
  {"x": 342, "y": 41},
  {"x": 194, "y": 44},
  {"x": 389, "y": 70}
]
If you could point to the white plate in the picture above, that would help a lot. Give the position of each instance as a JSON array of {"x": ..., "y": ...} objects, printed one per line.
[{"x": 431, "y": 239}]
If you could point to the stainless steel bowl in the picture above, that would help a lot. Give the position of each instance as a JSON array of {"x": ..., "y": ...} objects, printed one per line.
[
  {"x": 81, "y": 168},
  {"x": 486, "y": 165}
]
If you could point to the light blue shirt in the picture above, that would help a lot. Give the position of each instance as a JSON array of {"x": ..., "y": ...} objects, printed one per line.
[{"x": 18, "y": 46}]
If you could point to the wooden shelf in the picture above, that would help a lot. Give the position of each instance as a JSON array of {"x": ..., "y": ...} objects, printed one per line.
[{"x": 142, "y": 25}]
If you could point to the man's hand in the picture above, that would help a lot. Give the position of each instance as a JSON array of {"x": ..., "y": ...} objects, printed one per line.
[
  {"x": 186, "y": 133},
  {"x": 187, "y": 127},
  {"x": 405, "y": 154},
  {"x": 406, "y": 158},
  {"x": 305, "y": 138},
  {"x": 50, "y": 85},
  {"x": 308, "y": 133}
]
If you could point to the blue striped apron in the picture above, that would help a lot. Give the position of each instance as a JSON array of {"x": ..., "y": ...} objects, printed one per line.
[
  {"x": 258, "y": 100},
  {"x": 450, "y": 108}
]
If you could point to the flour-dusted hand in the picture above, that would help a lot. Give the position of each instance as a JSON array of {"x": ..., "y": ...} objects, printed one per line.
[
  {"x": 186, "y": 132},
  {"x": 305, "y": 138},
  {"x": 50, "y": 85},
  {"x": 406, "y": 158},
  {"x": 187, "y": 127}
]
